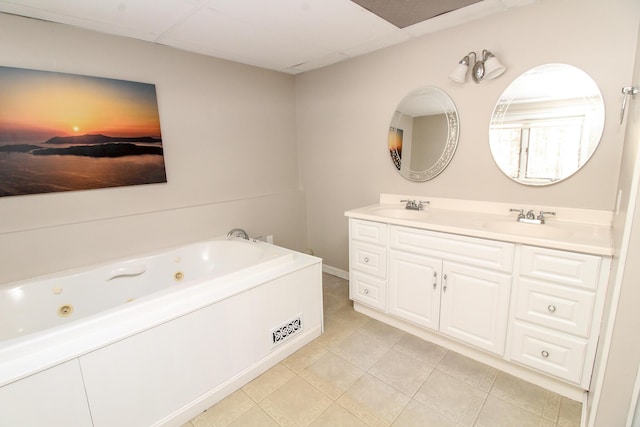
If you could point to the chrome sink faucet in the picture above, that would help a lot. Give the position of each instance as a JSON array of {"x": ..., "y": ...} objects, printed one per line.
[
  {"x": 530, "y": 216},
  {"x": 520, "y": 213},
  {"x": 541, "y": 217},
  {"x": 415, "y": 205},
  {"x": 238, "y": 232}
]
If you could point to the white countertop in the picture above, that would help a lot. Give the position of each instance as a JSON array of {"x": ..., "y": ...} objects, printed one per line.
[{"x": 588, "y": 232}]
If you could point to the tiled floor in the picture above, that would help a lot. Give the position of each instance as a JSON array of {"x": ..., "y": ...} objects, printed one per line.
[{"x": 361, "y": 372}]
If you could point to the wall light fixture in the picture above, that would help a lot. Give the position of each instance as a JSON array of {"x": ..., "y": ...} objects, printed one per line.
[{"x": 487, "y": 68}]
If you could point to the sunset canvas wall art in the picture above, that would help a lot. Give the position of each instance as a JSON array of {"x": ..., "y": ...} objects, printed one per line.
[{"x": 64, "y": 132}]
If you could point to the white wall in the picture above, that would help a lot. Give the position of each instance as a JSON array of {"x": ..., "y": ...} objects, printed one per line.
[
  {"x": 619, "y": 350},
  {"x": 344, "y": 112},
  {"x": 230, "y": 153}
]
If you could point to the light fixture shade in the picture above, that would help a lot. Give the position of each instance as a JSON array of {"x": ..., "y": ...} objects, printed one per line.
[
  {"x": 459, "y": 74},
  {"x": 492, "y": 67}
]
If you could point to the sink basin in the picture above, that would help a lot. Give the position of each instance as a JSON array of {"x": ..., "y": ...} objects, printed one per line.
[
  {"x": 399, "y": 212},
  {"x": 524, "y": 229}
]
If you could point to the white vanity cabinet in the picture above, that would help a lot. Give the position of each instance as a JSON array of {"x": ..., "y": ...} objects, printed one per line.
[
  {"x": 453, "y": 284},
  {"x": 532, "y": 311},
  {"x": 557, "y": 309},
  {"x": 524, "y": 298}
]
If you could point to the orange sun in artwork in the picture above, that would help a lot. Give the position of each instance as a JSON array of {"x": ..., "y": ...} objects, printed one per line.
[{"x": 76, "y": 128}]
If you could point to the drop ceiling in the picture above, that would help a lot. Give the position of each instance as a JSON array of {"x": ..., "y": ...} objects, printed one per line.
[{"x": 291, "y": 36}]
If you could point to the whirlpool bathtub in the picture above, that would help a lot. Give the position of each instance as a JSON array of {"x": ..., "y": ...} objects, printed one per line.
[{"x": 156, "y": 339}]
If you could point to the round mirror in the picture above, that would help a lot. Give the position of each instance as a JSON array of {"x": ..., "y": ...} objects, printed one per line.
[
  {"x": 547, "y": 124},
  {"x": 423, "y": 134}
]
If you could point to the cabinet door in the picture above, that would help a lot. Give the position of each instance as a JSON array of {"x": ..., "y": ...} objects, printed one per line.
[
  {"x": 414, "y": 288},
  {"x": 475, "y": 304}
]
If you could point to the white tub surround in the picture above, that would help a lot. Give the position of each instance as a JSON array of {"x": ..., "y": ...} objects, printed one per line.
[
  {"x": 236, "y": 309},
  {"x": 524, "y": 298}
]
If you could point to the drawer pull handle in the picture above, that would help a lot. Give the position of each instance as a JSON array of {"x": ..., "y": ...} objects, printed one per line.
[
  {"x": 551, "y": 308},
  {"x": 366, "y": 291},
  {"x": 444, "y": 287},
  {"x": 435, "y": 279},
  {"x": 366, "y": 259},
  {"x": 544, "y": 353}
]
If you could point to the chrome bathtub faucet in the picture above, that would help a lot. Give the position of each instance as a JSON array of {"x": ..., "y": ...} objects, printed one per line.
[{"x": 238, "y": 232}]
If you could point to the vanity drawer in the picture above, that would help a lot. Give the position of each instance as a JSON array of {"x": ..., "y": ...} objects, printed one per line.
[
  {"x": 569, "y": 268},
  {"x": 552, "y": 352},
  {"x": 489, "y": 254},
  {"x": 367, "y": 290},
  {"x": 368, "y": 258},
  {"x": 368, "y": 231},
  {"x": 559, "y": 307}
]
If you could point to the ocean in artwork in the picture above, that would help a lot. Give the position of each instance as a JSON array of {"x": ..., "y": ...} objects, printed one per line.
[{"x": 65, "y": 132}]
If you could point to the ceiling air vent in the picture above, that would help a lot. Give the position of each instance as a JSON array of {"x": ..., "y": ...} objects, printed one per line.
[{"x": 408, "y": 12}]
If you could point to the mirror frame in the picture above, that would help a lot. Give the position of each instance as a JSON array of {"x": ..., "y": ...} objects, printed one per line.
[
  {"x": 444, "y": 104},
  {"x": 592, "y": 100}
]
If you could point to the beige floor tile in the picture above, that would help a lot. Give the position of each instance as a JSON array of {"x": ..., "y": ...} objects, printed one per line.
[
  {"x": 552, "y": 407},
  {"x": 336, "y": 416},
  {"x": 374, "y": 402},
  {"x": 527, "y": 396},
  {"x": 224, "y": 412},
  {"x": 361, "y": 350},
  {"x": 333, "y": 303},
  {"x": 335, "y": 286},
  {"x": 570, "y": 413},
  {"x": 381, "y": 332},
  {"x": 295, "y": 404},
  {"x": 254, "y": 417},
  {"x": 416, "y": 414},
  {"x": 304, "y": 357},
  {"x": 456, "y": 400},
  {"x": 268, "y": 382},
  {"x": 498, "y": 413},
  {"x": 424, "y": 351},
  {"x": 350, "y": 318},
  {"x": 400, "y": 371},
  {"x": 331, "y": 374},
  {"x": 334, "y": 332},
  {"x": 468, "y": 370}
]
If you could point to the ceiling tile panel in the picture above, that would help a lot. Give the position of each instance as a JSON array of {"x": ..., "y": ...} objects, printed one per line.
[
  {"x": 143, "y": 19},
  {"x": 285, "y": 35},
  {"x": 213, "y": 32}
]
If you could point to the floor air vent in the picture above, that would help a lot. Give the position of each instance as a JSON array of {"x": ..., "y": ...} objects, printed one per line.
[{"x": 284, "y": 332}]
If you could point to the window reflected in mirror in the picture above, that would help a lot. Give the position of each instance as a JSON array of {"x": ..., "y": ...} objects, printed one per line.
[{"x": 547, "y": 124}]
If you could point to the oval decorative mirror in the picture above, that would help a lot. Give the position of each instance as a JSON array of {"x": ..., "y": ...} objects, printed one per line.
[
  {"x": 423, "y": 134},
  {"x": 547, "y": 124}
]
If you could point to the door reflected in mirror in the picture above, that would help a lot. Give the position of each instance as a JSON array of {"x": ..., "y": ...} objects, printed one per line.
[
  {"x": 547, "y": 124},
  {"x": 423, "y": 134}
]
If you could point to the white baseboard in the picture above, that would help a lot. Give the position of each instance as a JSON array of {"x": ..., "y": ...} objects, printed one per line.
[{"x": 335, "y": 272}]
